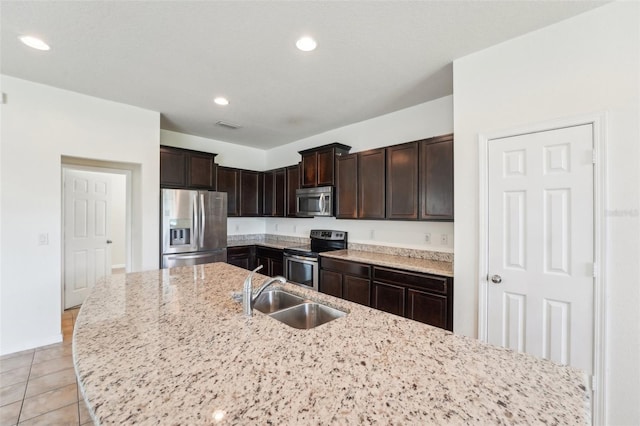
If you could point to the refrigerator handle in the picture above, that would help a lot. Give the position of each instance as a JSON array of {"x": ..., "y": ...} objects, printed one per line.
[
  {"x": 194, "y": 213},
  {"x": 202, "y": 220}
]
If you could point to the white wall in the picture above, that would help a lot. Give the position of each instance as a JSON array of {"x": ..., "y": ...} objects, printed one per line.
[
  {"x": 40, "y": 124},
  {"x": 118, "y": 220},
  {"x": 584, "y": 65},
  {"x": 229, "y": 155}
]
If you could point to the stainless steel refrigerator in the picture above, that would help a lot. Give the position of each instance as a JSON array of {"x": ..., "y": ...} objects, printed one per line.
[{"x": 194, "y": 227}]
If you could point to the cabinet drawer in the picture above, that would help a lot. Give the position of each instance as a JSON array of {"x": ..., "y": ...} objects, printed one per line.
[
  {"x": 351, "y": 268},
  {"x": 422, "y": 281}
]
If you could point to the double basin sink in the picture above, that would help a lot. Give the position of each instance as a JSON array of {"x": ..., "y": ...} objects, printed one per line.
[{"x": 295, "y": 311}]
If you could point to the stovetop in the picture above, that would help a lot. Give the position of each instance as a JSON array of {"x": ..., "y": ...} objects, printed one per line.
[{"x": 321, "y": 241}]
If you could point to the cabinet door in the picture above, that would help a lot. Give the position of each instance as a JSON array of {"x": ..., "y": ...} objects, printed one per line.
[
  {"x": 293, "y": 183},
  {"x": 347, "y": 186},
  {"x": 371, "y": 184},
  {"x": 240, "y": 256},
  {"x": 388, "y": 298},
  {"x": 330, "y": 283},
  {"x": 279, "y": 192},
  {"x": 173, "y": 172},
  {"x": 268, "y": 194},
  {"x": 250, "y": 193},
  {"x": 266, "y": 265},
  {"x": 229, "y": 182},
  {"x": 310, "y": 169},
  {"x": 402, "y": 181},
  {"x": 277, "y": 267},
  {"x": 428, "y": 308},
  {"x": 326, "y": 160},
  {"x": 436, "y": 179},
  {"x": 201, "y": 171},
  {"x": 356, "y": 289}
]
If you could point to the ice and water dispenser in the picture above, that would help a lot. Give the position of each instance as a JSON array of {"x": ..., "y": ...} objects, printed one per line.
[{"x": 179, "y": 232}]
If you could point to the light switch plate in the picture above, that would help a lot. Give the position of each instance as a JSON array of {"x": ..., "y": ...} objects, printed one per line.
[
  {"x": 43, "y": 239},
  {"x": 444, "y": 239}
]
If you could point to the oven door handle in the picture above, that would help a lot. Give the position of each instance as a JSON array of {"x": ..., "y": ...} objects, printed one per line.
[{"x": 305, "y": 259}]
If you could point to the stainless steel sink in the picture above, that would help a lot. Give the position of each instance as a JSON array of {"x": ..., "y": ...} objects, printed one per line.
[
  {"x": 276, "y": 300},
  {"x": 307, "y": 315}
]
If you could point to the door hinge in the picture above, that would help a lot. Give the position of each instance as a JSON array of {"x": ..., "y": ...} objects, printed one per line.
[
  {"x": 594, "y": 156},
  {"x": 594, "y": 384},
  {"x": 595, "y": 270}
]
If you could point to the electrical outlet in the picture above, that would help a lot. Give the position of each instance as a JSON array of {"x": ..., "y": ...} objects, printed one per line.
[
  {"x": 295, "y": 228},
  {"x": 444, "y": 239},
  {"x": 43, "y": 239},
  {"x": 372, "y": 234},
  {"x": 237, "y": 228},
  {"x": 427, "y": 237},
  {"x": 276, "y": 226}
]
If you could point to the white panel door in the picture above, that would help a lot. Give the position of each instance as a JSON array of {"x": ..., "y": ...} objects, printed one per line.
[
  {"x": 87, "y": 251},
  {"x": 540, "y": 254}
]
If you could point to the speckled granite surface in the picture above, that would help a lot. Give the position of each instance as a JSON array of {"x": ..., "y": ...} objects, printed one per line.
[
  {"x": 268, "y": 240},
  {"x": 404, "y": 252},
  {"x": 407, "y": 263},
  {"x": 172, "y": 347}
]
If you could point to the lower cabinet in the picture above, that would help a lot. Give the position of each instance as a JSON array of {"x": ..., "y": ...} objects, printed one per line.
[
  {"x": 271, "y": 260},
  {"x": 347, "y": 280},
  {"x": 421, "y": 297},
  {"x": 242, "y": 256}
]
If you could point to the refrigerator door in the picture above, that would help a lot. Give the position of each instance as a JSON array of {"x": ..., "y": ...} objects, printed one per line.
[
  {"x": 179, "y": 221},
  {"x": 212, "y": 220},
  {"x": 190, "y": 259}
]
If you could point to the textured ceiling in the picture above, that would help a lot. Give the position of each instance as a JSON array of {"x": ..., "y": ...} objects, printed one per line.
[{"x": 373, "y": 57}]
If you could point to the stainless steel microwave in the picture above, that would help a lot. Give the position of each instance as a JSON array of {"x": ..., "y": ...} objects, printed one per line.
[{"x": 314, "y": 201}]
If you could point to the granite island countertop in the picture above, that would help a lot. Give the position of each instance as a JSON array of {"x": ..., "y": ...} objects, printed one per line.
[{"x": 173, "y": 347}]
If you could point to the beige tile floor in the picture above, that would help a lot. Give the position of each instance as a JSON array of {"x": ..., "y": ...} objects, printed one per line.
[{"x": 39, "y": 387}]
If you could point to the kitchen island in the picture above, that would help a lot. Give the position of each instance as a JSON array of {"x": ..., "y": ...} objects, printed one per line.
[{"x": 173, "y": 347}]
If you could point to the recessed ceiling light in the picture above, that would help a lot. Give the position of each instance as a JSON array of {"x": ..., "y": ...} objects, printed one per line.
[
  {"x": 221, "y": 101},
  {"x": 306, "y": 44},
  {"x": 34, "y": 42}
]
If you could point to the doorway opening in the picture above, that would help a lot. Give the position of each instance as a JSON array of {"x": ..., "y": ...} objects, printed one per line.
[{"x": 96, "y": 226}]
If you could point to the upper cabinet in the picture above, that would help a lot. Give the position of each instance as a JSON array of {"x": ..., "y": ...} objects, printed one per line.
[
  {"x": 436, "y": 178},
  {"x": 293, "y": 183},
  {"x": 274, "y": 193},
  {"x": 410, "y": 181},
  {"x": 250, "y": 193},
  {"x": 347, "y": 186},
  {"x": 229, "y": 182},
  {"x": 318, "y": 164},
  {"x": 184, "y": 168},
  {"x": 402, "y": 181},
  {"x": 371, "y": 184}
]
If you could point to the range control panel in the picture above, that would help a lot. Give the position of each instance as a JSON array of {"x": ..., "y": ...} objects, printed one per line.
[{"x": 323, "y": 234}]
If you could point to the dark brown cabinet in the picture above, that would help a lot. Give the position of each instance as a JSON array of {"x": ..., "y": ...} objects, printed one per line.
[
  {"x": 402, "y": 181},
  {"x": 421, "y": 297},
  {"x": 318, "y": 164},
  {"x": 229, "y": 182},
  {"x": 389, "y": 298},
  {"x": 371, "y": 184},
  {"x": 184, "y": 168},
  {"x": 271, "y": 260},
  {"x": 347, "y": 186},
  {"x": 347, "y": 280},
  {"x": 293, "y": 183},
  {"x": 250, "y": 193},
  {"x": 436, "y": 178},
  {"x": 241, "y": 256},
  {"x": 274, "y": 191}
]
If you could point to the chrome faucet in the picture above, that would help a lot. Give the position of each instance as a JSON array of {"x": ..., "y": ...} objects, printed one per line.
[{"x": 249, "y": 297}]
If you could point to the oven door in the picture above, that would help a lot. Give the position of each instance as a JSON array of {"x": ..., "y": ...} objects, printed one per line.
[{"x": 301, "y": 270}]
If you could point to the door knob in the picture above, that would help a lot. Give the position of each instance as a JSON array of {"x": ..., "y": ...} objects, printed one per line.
[
  {"x": 109, "y": 241},
  {"x": 497, "y": 279}
]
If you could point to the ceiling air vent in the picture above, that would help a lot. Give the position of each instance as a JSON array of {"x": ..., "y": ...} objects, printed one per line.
[{"x": 228, "y": 125}]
